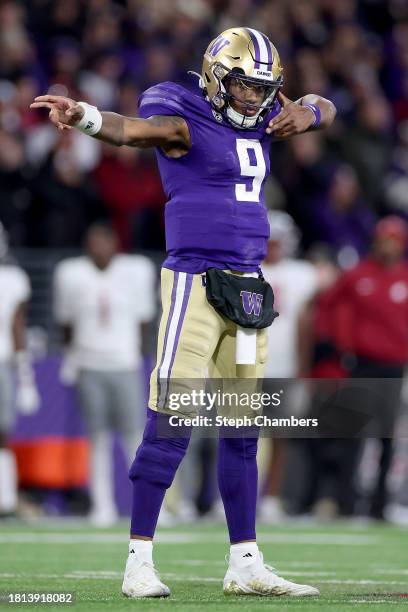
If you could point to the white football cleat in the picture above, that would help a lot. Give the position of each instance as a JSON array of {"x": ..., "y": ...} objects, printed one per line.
[
  {"x": 141, "y": 580},
  {"x": 256, "y": 578}
]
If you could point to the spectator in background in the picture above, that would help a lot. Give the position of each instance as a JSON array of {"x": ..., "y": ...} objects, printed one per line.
[
  {"x": 369, "y": 326},
  {"x": 64, "y": 201},
  {"x": 396, "y": 180},
  {"x": 396, "y": 65},
  {"x": 160, "y": 65},
  {"x": 367, "y": 146},
  {"x": 65, "y": 62},
  {"x": 305, "y": 173},
  {"x": 130, "y": 186},
  {"x": 17, "y": 53},
  {"x": 15, "y": 293},
  {"x": 320, "y": 358},
  {"x": 103, "y": 301},
  {"x": 14, "y": 187},
  {"x": 342, "y": 219}
]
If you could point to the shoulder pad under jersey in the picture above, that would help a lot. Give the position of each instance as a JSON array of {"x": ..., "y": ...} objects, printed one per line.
[{"x": 172, "y": 99}]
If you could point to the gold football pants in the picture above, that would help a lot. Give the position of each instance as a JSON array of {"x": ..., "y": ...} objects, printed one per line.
[{"x": 195, "y": 342}]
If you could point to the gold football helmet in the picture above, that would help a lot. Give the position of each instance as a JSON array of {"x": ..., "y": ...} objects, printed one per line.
[{"x": 245, "y": 54}]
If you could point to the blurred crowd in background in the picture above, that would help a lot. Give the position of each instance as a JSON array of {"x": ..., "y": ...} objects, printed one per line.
[{"x": 336, "y": 186}]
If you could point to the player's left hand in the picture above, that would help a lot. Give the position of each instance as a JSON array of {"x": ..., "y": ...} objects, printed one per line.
[
  {"x": 27, "y": 398},
  {"x": 293, "y": 119}
]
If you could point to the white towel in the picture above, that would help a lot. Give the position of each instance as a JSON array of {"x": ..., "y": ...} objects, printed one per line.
[{"x": 245, "y": 347}]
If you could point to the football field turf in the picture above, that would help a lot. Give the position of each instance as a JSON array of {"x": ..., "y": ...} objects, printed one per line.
[{"x": 354, "y": 566}]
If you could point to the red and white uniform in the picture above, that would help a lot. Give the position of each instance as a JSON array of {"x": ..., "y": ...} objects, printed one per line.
[
  {"x": 370, "y": 311},
  {"x": 15, "y": 289},
  {"x": 105, "y": 309}
]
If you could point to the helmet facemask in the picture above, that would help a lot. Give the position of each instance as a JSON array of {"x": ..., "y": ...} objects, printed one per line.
[
  {"x": 268, "y": 89},
  {"x": 222, "y": 102}
]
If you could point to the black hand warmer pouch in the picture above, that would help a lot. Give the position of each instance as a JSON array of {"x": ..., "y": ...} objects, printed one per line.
[{"x": 245, "y": 300}]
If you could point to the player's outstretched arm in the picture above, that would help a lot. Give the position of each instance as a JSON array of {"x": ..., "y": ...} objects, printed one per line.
[
  {"x": 311, "y": 112},
  {"x": 170, "y": 133}
]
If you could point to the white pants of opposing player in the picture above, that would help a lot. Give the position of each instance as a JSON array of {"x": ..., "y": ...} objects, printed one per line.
[
  {"x": 111, "y": 402},
  {"x": 8, "y": 468}
]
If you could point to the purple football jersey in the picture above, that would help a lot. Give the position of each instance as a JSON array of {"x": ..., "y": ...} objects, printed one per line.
[{"x": 215, "y": 215}]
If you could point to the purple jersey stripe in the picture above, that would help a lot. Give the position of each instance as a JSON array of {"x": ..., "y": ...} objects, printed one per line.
[
  {"x": 187, "y": 291},
  {"x": 257, "y": 49},
  {"x": 166, "y": 335},
  {"x": 148, "y": 100},
  {"x": 268, "y": 46}
]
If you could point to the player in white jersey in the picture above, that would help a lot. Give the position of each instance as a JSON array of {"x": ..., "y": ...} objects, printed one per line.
[
  {"x": 294, "y": 282},
  {"x": 103, "y": 301},
  {"x": 15, "y": 292}
]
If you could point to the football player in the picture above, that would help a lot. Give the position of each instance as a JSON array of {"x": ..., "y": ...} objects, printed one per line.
[
  {"x": 294, "y": 283},
  {"x": 103, "y": 317},
  {"x": 213, "y": 154},
  {"x": 15, "y": 292}
]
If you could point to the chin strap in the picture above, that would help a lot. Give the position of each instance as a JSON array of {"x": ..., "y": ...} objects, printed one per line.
[{"x": 241, "y": 120}]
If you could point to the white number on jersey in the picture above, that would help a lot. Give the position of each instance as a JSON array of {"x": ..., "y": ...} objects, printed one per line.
[{"x": 257, "y": 171}]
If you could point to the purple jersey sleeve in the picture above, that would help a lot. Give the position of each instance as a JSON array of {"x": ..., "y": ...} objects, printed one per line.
[
  {"x": 170, "y": 99},
  {"x": 163, "y": 99}
]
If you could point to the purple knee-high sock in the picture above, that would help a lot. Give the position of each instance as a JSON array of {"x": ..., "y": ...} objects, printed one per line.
[
  {"x": 152, "y": 472},
  {"x": 238, "y": 483}
]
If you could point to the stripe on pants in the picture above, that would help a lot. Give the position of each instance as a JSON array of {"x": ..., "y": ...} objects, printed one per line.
[{"x": 179, "y": 299}]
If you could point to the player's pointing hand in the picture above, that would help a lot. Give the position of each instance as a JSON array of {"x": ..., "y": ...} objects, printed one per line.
[
  {"x": 293, "y": 119},
  {"x": 63, "y": 112}
]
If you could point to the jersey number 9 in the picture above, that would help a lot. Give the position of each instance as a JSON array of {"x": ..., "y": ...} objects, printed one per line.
[{"x": 252, "y": 162}]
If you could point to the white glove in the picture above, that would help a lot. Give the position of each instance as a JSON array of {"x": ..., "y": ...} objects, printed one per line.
[
  {"x": 27, "y": 397},
  {"x": 68, "y": 373}
]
